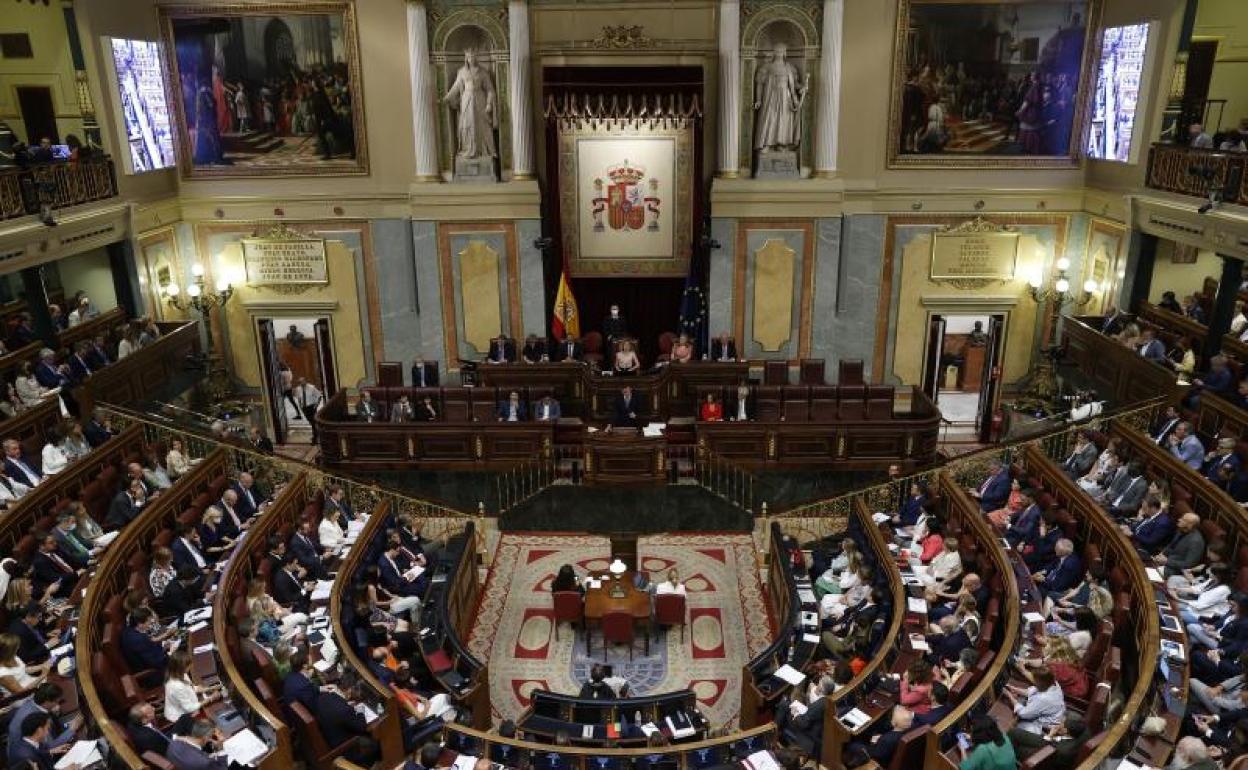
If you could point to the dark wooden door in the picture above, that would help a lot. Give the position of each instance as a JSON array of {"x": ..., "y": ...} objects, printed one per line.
[
  {"x": 325, "y": 354},
  {"x": 931, "y": 361},
  {"x": 38, "y": 114},
  {"x": 1200, "y": 58},
  {"x": 989, "y": 386},
  {"x": 272, "y": 378}
]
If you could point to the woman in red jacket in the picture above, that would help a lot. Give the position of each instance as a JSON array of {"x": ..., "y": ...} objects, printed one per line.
[{"x": 712, "y": 410}]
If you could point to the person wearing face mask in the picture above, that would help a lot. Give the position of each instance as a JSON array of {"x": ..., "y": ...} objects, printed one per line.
[{"x": 614, "y": 326}]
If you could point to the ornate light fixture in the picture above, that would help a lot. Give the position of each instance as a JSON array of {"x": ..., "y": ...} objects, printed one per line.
[
  {"x": 202, "y": 299},
  {"x": 1043, "y": 390}
]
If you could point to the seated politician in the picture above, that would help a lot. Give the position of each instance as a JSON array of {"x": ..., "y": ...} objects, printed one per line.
[
  {"x": 535, "y": 350},
  {"x": 568, "y": 350},
  {"x": 682, "y": 351},
  {"x": 512, "y": 410},
  {"x": 628, "y": 408},
  {"x": 626, "y": 361},
  {"x": 712, "y": 410},
  {"x": 546, "y": 410},
  {"x": 502, "y": 350},
  {"x": 723, "y": 348}
]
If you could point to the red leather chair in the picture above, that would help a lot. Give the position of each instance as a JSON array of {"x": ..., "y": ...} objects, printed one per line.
[
  {"x": 569, "y": 607},
  {"x": 390, "y": 374},
  {"x": 666, "y": 341},
  {"x": 811, "y": 371},
  {"x": 671, "y": 610},
  {"x": 592, "y": 344},
  {"x": 318, "y": 754},
  {"x": 617, "y": 628}
]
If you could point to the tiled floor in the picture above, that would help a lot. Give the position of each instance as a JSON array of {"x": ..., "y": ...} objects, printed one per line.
[{"x": 959, "y": 408}]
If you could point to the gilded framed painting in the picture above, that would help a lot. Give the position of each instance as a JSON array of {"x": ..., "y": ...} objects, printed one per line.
[
  {"x": 266, "y": 89},
  {"x": 991, "y": 83}
]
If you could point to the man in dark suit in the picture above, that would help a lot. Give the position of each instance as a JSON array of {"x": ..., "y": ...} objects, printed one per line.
[
  {"x": 569, "y": 349},
  {"x": 97, "y": 430},
  {"x": 512, "y": 410},
  {"x": 393, "y": 578},
  {"x": 627, "y": 408},
  {"x": 502, "y": 350},
  {"x": 184, "y": 593},
  {"x": 307, "y": 552},
  {"x": 18, "y": 466},
  {"x": 1127, "y": 490},
  {"x": 48, "y": 567},
  {"x": 940, "y": 706},
  {"x": 1061, "y": 574},
  {"x": 424, "y": 373},
  {"x": 337, "y": 718},
  {"x": 950, "y": 642},
  {"x": 1026, "y": 525},
  {"x": 29, "y": 751},
  {"x": 883, "y": 746},
  {"x": 73, "y": 550},
  {"x": 1153, "y": 529},
  {"x": 614, "y": 326},
  {"x": 23, "y": 333},
  {"x": 125, "y": 506},
  {"x": 194, "y": 751},
  {"x": 48, "y": 373},
  {"x": 425, "y": 410},
  {"x": 46, "y": 699},
  {"x": 546, "y": 410},
  {"x": 288, "y": 587},
  {"x": 79, "y": 368},
  {"x": 597, "y": 688},
  {"x": 260, "y": 442},
  {"x": 97, "y": 355},
  {"x": 1168, "y": 421},
  {"x": 297, "y": 687},
  {"x": 366, "y": 409},
  {"x": 336, "y": 499},
  {"x": 143, "y": 732},
  {"x": 32, "y": 645},
  {"x": 806, "y": 729},
  {"x": 250, "y": 498},
  {"x": 995, "y": 490},
  {"x": 187, "y": 552},
  {"x": 536, "y": 349},
  {"x": 723, "y": 348},
  {"x": 137, "y": 646},
  {"x": 1220, "y": 458}
]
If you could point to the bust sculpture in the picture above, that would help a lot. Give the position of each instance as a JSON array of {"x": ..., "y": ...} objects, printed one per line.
[
  {"x": 475, "y": 100},
  {"x": 778, "y": 96}
]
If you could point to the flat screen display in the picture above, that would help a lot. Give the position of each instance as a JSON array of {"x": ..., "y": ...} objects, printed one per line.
[
  {"x": 1117, "y": 92},
  {"x": 145, "y": 112}
]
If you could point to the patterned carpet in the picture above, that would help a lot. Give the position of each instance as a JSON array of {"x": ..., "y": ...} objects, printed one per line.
[{"x": 728, "y": 621}]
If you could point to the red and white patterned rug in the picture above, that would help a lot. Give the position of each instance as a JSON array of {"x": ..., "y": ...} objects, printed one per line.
[{"x": 728, "y": 621}]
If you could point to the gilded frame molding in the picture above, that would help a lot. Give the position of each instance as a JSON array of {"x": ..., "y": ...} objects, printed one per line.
[
  {"x": 677, "y": 265},
  {"x": 741, "y": 259},
  {"x": 1109, "y": 229},
  {"x": 1079, "y": 124},
  {"x": 446, "y": 279},
  {"x": 186, "y": 166},
  {"x": 161, "y": 235}
]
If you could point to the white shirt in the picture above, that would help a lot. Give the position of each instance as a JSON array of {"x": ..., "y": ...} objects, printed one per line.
[
  {"x": 76, "y": 318},
  {"x": 741, "y": 404},
  {"x": 195, "y": 554},
  {"x": 18, "y": 672},
  {"x": 180, "y": 699},
  {"x": 666, "y": 587},
  {"x": 1213, "y": 601},
  {"x": 54, "y": 459},
  {"x": 18, "y": 490},
  {"x": 330, "y": 534},
  {"x": 125, "y": 348}
]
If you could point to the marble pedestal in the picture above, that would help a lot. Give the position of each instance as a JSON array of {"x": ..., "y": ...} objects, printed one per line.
[
  {"x": 475, "y": 170},
  {"x": 777, "y": 164}
]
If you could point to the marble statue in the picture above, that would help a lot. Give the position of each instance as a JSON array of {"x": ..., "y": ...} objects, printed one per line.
[
  {"x": 474, "y": 98},
  {"x": 778, "y": 97}
]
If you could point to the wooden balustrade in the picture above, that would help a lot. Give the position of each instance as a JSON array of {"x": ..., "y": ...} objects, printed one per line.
[
  {"x": 24, "y": 189},
  {"x": 143, "y": 373},
  {"x": 1140, "y": 638},
  {"x": 1125, "y": 376},
  {"x": 111, "y": 578},
  {"x": 1170, "y": 170},
  {"x": 104, "y": 323}
]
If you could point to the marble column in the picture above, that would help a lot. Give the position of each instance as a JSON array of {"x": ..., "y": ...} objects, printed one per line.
[
  {"x": 521, "y": 91},
  {"x": 423, "y": 110},
  {"x": 729, "y": 87},
  {"x": 829, "y": 89}
]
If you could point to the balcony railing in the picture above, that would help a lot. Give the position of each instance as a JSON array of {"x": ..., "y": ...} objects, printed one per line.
[
  {"x": 1170, "y": 168},
  {"x": 25, "y": 190}
]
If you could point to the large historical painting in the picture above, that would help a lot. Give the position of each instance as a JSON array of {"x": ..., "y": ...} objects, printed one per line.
[
  {"x": 266, "y": 89},
  {"x": 991, "y": 84},
  {"x": 625, "y": 199}
]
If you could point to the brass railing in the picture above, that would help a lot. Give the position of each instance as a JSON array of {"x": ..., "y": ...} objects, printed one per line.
[
  {"x": 25, "y": 190},
  {"x": 269, "y": 469}
]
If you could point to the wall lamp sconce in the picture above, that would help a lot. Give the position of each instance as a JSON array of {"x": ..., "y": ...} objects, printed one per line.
[
  {"x": 198, "y": 295},
  {"x": 1060, "y": 292}
]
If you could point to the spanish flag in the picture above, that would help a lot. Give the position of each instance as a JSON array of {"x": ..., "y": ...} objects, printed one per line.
[{"x": 567, "y": 320}]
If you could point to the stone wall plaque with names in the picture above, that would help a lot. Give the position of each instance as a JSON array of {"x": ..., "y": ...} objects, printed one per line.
[
  {"x": 285, "y": 261},
  {"x": 976, "y": 255}
]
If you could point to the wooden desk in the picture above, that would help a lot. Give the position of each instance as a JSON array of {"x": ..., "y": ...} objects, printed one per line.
[
  {"x": 972, "y": 367},
  {"x": 599, "y": 602},
  {"x": 624, "y": 457}
]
